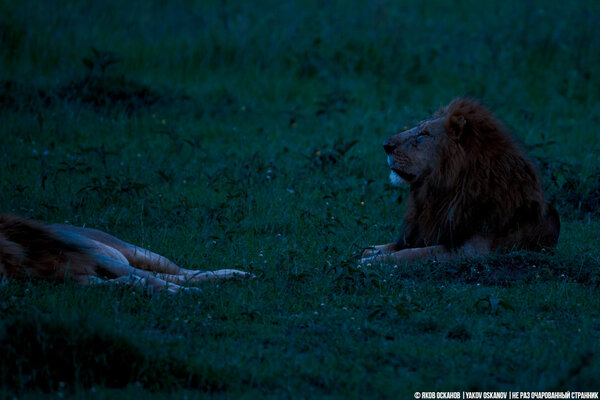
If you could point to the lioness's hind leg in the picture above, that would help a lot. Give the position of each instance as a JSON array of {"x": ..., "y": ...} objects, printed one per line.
[
  {"x": 126, "y": 274},
  {"x": 133, "y": 281},
  {"x": 168, "y": 270},
  {"x": 130, "y": 280},
  {"x": 89, "y": 280},
  {"x": 123, "y": 253},
  {"x": 136, "y": 256}
]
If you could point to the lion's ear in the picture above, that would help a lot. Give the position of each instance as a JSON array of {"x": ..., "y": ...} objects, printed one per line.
[{"x": 455, "y": 126}]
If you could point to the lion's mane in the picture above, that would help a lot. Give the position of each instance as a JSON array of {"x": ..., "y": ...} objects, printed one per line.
[{"x": 485, "y": 186}]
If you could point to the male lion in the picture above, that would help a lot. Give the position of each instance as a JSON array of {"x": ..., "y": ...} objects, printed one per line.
[
  {"x": 30, "y": 249},
  {"x": 472, "y": 189}
]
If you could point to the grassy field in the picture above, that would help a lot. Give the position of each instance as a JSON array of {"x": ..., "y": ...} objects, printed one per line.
[{"x": 248, "y": 135}]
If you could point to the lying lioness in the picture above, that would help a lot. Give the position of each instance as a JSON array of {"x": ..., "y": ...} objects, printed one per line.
[{"x": 30, "y": 249}]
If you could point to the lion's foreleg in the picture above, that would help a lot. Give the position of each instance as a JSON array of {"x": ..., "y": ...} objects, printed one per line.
[
  {"x": 408, "y": 255},
  {"x": 477, "y": 246}
]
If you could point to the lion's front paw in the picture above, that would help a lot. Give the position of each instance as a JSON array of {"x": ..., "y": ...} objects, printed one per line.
[
  {"x": 370, "y": 252},
  {"x": 382, "y": 250},
  {"x": 374, "y": 253},
  {"x": 369, "y": 256}
]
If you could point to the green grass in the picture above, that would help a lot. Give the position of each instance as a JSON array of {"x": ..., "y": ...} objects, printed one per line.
[{"x": 248, "y": 135}]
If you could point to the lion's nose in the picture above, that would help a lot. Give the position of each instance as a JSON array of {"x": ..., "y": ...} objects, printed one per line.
[{"x": 388, "y": 147}]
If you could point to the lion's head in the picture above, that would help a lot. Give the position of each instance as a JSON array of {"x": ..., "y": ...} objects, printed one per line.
[
  {"x": 467, "y": 177},
  {"x": 415, "y": 153},
  {"x": 440, "y": 148}
]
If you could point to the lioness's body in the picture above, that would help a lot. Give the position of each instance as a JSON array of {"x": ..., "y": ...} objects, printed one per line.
[
  {"x": 472, "y": 189},
  {"x": 30, "y": 249}
]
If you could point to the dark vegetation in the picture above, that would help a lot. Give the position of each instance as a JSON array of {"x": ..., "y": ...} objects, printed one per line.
[{"x": 249, "y": 135}]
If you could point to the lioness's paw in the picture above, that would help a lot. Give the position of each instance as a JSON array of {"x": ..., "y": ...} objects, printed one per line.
[{"x": 230, "y": 274}]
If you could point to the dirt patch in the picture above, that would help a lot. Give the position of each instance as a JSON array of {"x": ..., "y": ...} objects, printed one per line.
[
  {"x": 509, "y": 269},
  {"x": 114, "y": 92},
  {"x": 102, "y": 86},
  {"x": 16, "y": 96}
]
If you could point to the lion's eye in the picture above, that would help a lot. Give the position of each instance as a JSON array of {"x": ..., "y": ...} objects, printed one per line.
[{"x": 420, "y": 137}]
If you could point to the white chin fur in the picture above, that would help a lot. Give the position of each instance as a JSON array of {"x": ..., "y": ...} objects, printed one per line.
[{"x": 396, "y": 180}]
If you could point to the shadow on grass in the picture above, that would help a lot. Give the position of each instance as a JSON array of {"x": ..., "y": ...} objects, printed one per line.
[{"x": 49, "y": 354}]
